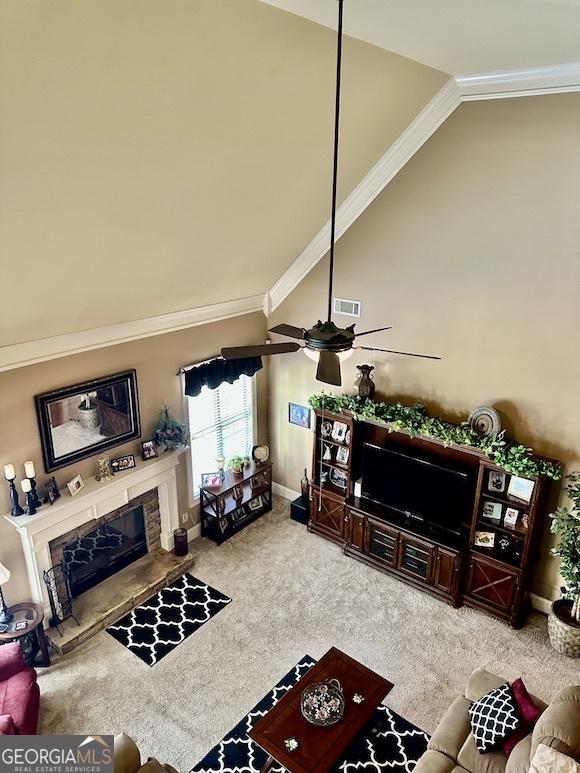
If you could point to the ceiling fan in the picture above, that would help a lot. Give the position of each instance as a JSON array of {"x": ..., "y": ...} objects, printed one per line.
[{"x": 325, "y": 341}]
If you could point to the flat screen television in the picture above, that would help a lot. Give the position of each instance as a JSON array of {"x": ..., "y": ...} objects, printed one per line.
[{"x": 416, "y": 488}]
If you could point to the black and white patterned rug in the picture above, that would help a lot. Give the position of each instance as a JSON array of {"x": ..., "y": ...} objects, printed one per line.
[
  {"x": 388, "y": 743},
  {"x": 162, "y": 622}
]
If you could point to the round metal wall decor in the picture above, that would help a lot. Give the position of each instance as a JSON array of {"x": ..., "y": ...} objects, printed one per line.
[{"x": 485, "y": 421}]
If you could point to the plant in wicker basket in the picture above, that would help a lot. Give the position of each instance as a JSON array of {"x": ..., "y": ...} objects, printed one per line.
[{"x": 564, "y": 620}]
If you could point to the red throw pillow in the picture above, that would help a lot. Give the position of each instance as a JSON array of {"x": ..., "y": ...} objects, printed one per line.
[{"x": 528, "y": 712}]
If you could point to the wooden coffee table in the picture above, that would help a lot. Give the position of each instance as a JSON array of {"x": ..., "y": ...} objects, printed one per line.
[{"x": 319, "y": 748}]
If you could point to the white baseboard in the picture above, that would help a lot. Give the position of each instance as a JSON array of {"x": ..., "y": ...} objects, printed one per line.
[
  {"x": 540, "y": 603},
  {"x": 194, "y": 532},
  {"x": 284, "y": 491}
]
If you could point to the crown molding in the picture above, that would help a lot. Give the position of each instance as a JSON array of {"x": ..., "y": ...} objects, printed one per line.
[
  {"x": 445, "y": 101},
  {"x": 552, "y": 79},
  {"x": 495, "y": 85},
  {"x": 41, "y": 350}
]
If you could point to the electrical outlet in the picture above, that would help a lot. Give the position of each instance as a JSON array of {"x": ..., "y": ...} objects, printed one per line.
[{"x": 185, "y": 517}]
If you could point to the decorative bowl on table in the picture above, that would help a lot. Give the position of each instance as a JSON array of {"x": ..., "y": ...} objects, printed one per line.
[{"x": 322, "y": 703}]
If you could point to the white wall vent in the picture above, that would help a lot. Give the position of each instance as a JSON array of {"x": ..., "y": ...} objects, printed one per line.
[{"x": 347, "y": 307}]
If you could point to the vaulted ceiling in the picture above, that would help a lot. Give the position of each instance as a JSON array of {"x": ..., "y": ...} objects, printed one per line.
[
  {"x": 459, "y": 36},
  {"x": 163, "y": 156}
]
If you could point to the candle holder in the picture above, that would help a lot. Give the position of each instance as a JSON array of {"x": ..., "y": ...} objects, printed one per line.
[
  {"x": 33, "y": 494},
  {"x": 30, "y": 504},
  {"x": 16, "y": 509}
]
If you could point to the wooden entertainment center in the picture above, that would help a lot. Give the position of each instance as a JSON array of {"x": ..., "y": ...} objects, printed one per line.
[{"x": 449, "y": 566}]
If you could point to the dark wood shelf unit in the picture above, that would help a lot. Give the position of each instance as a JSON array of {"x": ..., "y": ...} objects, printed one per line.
[
  {"x": 222, "y": 515},
  {"x": 444, "y": 564}
]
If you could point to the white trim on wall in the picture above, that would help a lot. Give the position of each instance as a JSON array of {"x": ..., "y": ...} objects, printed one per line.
[
  {"x": 31, "y": 352},
  {"x": 540, "y": 603},
  {"x": 284, "y": 491},
  {"x": 495, "y": 85},
  {"x": 553, "y": 79}
]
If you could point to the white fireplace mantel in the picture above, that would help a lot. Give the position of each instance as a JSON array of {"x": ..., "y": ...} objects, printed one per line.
[{"x": 94, "y": 501}]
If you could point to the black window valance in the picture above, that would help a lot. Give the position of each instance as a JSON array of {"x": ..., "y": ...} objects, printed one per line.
[{"x": 215, "y": 372}]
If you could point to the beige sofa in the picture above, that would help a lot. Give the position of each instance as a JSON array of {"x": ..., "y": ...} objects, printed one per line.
[{"x": 452, "y": 747}]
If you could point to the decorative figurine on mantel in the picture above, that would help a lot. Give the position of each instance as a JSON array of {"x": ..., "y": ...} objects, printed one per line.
[
  {"x": 104, "y": 471},
  {"x": 364, "y": 384}
]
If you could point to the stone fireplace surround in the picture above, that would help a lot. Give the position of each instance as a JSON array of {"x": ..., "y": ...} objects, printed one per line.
[
  {"x": 94, "y": 502},
  {"x": 148, "y": 501}
]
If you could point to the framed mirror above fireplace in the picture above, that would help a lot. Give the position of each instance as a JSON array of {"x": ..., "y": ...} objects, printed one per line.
[{"x": 84, "y": 419}]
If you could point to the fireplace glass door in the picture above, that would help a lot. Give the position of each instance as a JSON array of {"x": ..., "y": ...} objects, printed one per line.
[{"x": 105, "y": 550}]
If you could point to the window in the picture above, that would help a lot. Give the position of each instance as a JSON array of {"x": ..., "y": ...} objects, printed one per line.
[{"x": 221, "y": 422}]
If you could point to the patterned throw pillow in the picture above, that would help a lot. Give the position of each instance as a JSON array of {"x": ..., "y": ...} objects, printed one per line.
[{"x": 493, "y": 718}]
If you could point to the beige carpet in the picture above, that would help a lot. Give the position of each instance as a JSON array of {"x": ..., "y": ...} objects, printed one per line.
[{"x": 293, "y": 594}]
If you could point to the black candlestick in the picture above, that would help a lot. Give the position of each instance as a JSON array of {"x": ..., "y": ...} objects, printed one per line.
[
  {"x": 37, "y": 502},
  {"x": 30, "y": 505},
  {"x": 16, "y": 509}
]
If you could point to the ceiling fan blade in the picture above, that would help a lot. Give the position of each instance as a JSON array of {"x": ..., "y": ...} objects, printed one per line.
[
  {"x": 392, "y": 351},
  {"x": 288, "y": 330},
  {"x": 260, "y": 350},
  {"x": 328, "y": 370},
  {"x": 376, "y": 330}
]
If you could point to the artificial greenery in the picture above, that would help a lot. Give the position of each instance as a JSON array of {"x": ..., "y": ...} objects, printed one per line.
[
  {"x": 170, "y": 433},
  {"x": 414, "y": 419},
  {"x": 236, "y": 463},
  {"x": 566, "y": 525}
]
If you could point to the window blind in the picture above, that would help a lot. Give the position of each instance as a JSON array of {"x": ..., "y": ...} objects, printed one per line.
[{"x": 221, "y": 423}]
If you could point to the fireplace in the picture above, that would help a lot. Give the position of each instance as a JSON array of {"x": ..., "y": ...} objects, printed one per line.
[
  {"x": 103, "y": 546},
  {"x": 104, "y": 550}
]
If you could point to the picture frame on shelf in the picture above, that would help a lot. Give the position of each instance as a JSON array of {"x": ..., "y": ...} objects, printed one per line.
[
  {"x": 75, "y": 485},
  {"x": 496, "y": 481},
  {"x": 237, "y": 492},
  {"x": 521, "y": 488},
  {"x": 51, "y": 491},
  {"x": 338, "y": 478},
  {"x": 122, "y": 463},
  {"x": 326, "y": 429},
  {"x": 299, "y": 415},
  {"x": 492, "y": 511},
  {"x": 484, "y": 539},
  {"x": 211, "y": 480},
  {"x": 510, "y": 519},
  {"x": 148, "y": 450},
  {"x": 339, "y": 430},
  {"x": 342, "y": 455}
]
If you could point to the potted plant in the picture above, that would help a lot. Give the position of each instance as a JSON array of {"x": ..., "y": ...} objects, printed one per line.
[
  {"x": 236, "y": 464},
  {"x": 564, "y": 618}
]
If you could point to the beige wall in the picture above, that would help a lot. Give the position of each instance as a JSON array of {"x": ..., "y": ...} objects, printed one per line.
[
  {"x": 156, "y": 361},
  {"x": 472, "y": 252},
  {"x": 152, "y": 144}
]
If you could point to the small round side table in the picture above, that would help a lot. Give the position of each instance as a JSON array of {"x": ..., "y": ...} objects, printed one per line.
[{"x": 31, "y": 636}]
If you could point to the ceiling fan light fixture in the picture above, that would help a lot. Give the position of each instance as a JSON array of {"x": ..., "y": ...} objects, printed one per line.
[{"x": 314, "y": 355}]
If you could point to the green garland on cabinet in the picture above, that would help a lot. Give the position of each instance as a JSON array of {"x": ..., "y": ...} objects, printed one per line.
[{"x": 515, "y": 459}]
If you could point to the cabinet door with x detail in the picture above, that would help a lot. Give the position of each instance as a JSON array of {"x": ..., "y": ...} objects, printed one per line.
[
  {"x": 327, "y": 514},
  {"x": 491, "y": 583}
]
